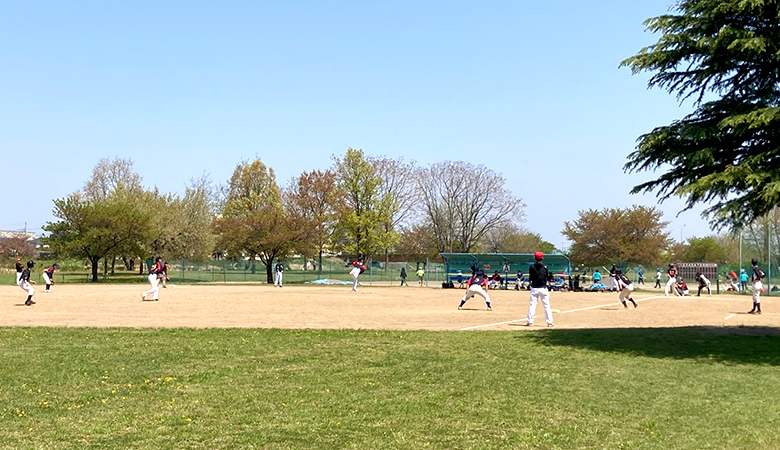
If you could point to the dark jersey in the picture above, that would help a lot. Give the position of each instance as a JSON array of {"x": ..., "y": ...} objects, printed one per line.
[
  {"x": 25, "y": 275},
  {"x": 624, "y": 279},
  {"x": 539, "y": 275},
  {"x": 156, "y": 269},
  {"x": 280, "y": 268},
  {"x": 758, "y": 274},
  {"x": 478, "y": 279},
  {"x": 50, "y": 271},
  {"x": 19, "y": 267}
]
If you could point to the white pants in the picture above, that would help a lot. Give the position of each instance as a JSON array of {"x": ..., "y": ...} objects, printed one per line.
[
  {"x": 476, "y": 289},
  {"x": 613, "y": 284},
  {"x": 670, "y": 284},
  {"x": 355, "y": 272},
  {"x": 47, "y": 280},
  {"x": 278, "y": 279},
  {"x": 625, "y": 293},
  {"x": 18, "y": 277},
  {"x": 27, "y": 287},
  {"x": 757, "y": 286},
  {"x": 536, "y": 294},
  {"x": 155, "y": 290}
]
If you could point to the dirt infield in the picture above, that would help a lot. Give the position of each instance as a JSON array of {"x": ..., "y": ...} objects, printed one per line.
[{"x": 372, "y": 307}]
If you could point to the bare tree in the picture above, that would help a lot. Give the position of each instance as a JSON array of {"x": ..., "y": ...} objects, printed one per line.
[
  {"x": 397, "y": 185},
  {"x": 108, "y": 175},
  {"x": 463, "y": 202}
]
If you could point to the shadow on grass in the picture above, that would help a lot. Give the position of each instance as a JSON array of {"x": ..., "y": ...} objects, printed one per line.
[{"x": 738, "y": 345}]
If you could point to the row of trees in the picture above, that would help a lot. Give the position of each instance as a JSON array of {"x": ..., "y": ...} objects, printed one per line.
[{"x": 362, "y": 205}]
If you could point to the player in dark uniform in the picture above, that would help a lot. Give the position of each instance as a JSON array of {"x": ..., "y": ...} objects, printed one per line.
[
  {"x": 539, "y": 276},
  {"x": 477, "y": 285},
  {"x": 279, "y": 272},
  {"x": 26, "y": 284},
  {"x": 625, "y": 287},
  {"x": 48, "y": 276},
  {"x": 164, "y": 274},
  {"x": 758, "y": 275},
  {"x": 19, "y": 270}
]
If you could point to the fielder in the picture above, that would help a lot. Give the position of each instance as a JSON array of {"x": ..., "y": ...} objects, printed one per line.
[
  {"x": 155, "y": 273},
  {"x": 48, "y": 276},
  {"x": 279, "y": 272},
  {"x": 539, "y": 276},
  {"x": 703, "y": 282},
  {"x": 357, "y": 268},
  {"x": 477, "y": 285},
  {"x": 672, "y": 280},
  {"x": 26, "y": 284},
  {"x": 164, "y": 274},
  {"x": 625, "y": 286},
  {"x": 758, "y": 274}
]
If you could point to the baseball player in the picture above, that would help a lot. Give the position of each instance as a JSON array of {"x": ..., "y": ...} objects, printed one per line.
[
  {"x": 758, "y": 274},
  {"x": 539, "y": 276},
  {"x": 19, "y": 270},
  {"x": 613, "y": 283},
  {"x": 641, "y": 274},
  {"x": 48, "y": 276},
  {"x": 403, "y": 277},
  {"x": 155, "y": 274},
  {"x": 625, "y": 286},
  {"x": 703, "y": 282},
  {"x": 672, "y": 271},
  {"x": 164, "y": 274},
  {"x": 357, "y": 268},
  {"x": 477, "y": 285},
  {"x": 26, "y": 284},
  {"x": 279, "y": 269},
  {"x": 657, "y": 278}
]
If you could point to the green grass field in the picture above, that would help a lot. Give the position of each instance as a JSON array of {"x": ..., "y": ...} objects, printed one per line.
[{"x": 247, "y": 388}]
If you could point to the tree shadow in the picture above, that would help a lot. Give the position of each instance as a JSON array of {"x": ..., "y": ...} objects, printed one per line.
[{"x": 737, "y": 345}]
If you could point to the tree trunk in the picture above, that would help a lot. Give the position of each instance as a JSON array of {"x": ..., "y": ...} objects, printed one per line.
[
  {"x": 319, "y": 267},
  {"x": 269, "y": 272},
  {"x": 105, "y": 266},
  {"x": 113, "y": 264},
  {"x": 94, "y": 261}
]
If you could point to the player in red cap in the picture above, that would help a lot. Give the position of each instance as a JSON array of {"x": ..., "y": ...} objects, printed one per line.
[
  {"x": 19, "y": 269},
  {"x": 539, "y": 276}
]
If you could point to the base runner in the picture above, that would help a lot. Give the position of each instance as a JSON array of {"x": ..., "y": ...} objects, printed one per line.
[
  {"x": 26, "y": 284},
  {"x": 625, "y": 287}
]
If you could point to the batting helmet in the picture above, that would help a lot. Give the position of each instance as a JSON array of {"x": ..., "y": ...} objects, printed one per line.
[
  {"x": 754, "y": 261},
  {"x": 538, "y": 256},
  {"x": 30, "y": 263}
]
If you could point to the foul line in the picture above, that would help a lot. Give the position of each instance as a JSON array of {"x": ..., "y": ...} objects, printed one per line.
[
  {"x": 729, "y": 317},
  {"x": 562, "y": 312}
]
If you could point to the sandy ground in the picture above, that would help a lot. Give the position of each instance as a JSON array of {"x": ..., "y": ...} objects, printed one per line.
[{"x": 372, "y": 307}]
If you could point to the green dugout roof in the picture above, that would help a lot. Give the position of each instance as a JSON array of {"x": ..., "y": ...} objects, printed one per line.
[{"x": 507, "y": 263}]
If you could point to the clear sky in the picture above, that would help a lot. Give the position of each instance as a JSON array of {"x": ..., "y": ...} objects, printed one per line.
[{"x": 532, "y": 90}]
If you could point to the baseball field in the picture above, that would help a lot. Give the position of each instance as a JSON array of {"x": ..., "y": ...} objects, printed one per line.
[{"x": 253, "y": 366}]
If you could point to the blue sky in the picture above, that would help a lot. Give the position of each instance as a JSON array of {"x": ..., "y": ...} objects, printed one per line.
[{"x": 532, "y": 90}]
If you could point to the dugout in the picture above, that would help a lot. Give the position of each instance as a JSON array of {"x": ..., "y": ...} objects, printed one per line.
[{"x": 507, "y": 264}]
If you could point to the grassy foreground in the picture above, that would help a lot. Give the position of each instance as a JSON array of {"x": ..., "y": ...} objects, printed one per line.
[{"x": 245, "y": 388}]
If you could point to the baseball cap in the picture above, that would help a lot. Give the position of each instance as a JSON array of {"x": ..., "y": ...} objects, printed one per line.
[{"x": 538, "y": 255}]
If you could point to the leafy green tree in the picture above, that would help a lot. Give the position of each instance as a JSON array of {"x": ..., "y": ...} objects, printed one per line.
[
  {"x": 309, "y": 201},
  {"x": 95, "y": 229},
  {"x": 363, "y": 210},
  {"x": 725, "y": 54},
  {"x": 253, "y": 222},
  {"x": 613, "y": 234},
  {"x": 706, "y": 249}
]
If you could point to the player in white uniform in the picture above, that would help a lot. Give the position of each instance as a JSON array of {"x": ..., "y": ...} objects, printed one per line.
[
  {"x": 625, "y": 287},
  {"x": 477, "y": 286},
  {"x": 672, "y": 280},
  {"x": 703, "y": 282},
  {"x": 155, "y": 273},
  {"x": 48, "y": 276},
  {"x": 539, "y": 276},
  {"x": 26, "y": 284},
  {"x": 758, "y": 274},
  {"x": 279, "y": 272},
  {"x": 613, "y": 283},
  {"x": 357, "y": 268}
]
